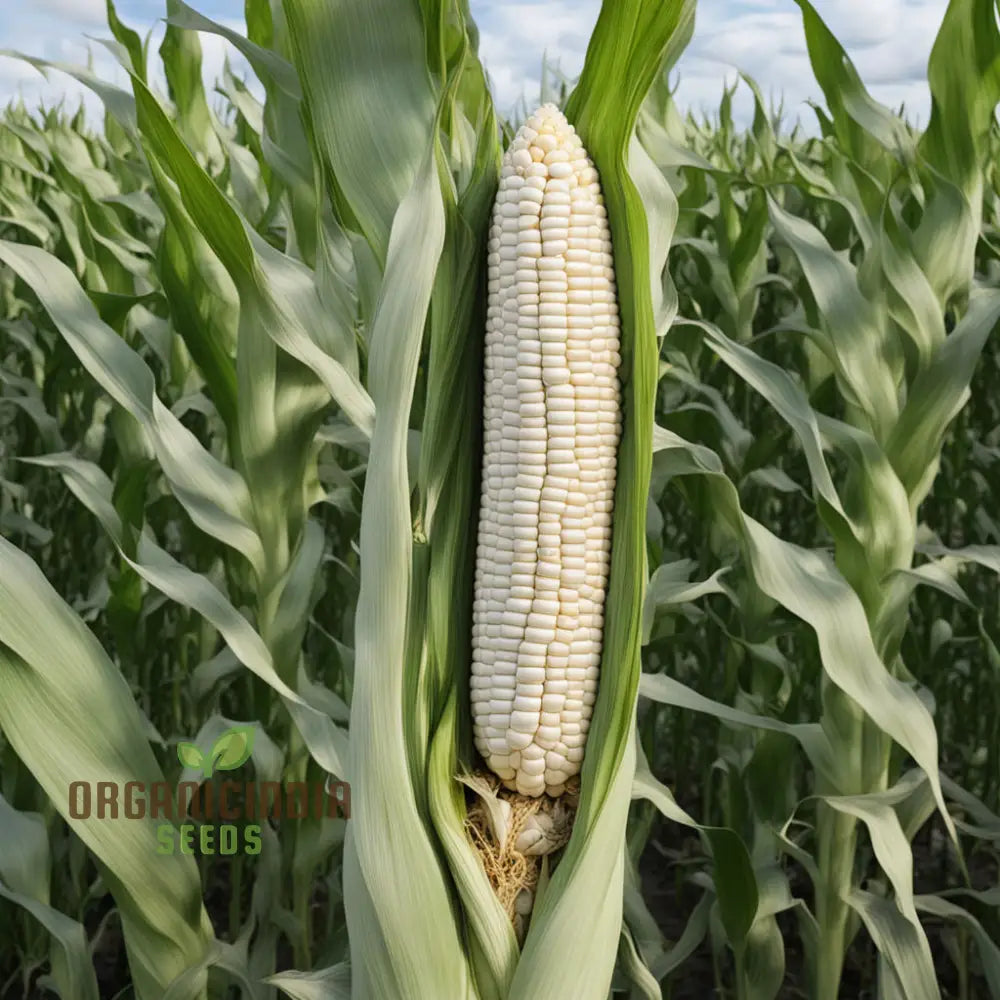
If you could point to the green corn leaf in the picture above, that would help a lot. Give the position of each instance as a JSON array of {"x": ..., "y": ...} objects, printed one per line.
[
  {"x": 325, "y": 741},
  {"x": 128, "y": 38},
  {"x": 58, "y": 678},
  {"x": 214, "y": 495},
  {"x": 180, "y": 53}
]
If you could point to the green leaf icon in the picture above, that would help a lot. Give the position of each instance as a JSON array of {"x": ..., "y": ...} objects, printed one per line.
[
  {"x": 231, "y": 749},
  {"x": 190, "y": 756}
]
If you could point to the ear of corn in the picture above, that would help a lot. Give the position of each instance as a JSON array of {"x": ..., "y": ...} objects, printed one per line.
[{"x": 551, "y": 426}]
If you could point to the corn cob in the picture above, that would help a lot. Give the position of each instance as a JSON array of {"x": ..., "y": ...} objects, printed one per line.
[{"x": 552, "y": 421}]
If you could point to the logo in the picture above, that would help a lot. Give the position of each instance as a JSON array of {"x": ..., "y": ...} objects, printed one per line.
[
  {"x": 231, "y": 750},
  {"x": 189, "y": 811}
]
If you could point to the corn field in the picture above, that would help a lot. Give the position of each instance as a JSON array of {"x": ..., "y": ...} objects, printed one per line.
[{"x": 255, "y": 730}]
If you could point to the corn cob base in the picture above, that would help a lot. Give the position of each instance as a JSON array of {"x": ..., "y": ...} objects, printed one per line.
[{"x": 512, "y": 833}]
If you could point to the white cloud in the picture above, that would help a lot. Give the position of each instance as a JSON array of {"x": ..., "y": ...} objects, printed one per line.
[
  {"x": 86, "y": 12},
  {"x": 858, "y": 23},
  {"x": 888, "y": 40},
  {"x": 19, "y": 79},
  {"x": 514, "y": 37}
]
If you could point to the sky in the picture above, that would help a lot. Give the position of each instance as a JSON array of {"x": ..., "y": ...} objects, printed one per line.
[{"x": 889, "y": 41}]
